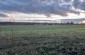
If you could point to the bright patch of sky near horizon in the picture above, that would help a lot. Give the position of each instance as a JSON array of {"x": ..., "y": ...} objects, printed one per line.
[{"x": 55, "y": 9}]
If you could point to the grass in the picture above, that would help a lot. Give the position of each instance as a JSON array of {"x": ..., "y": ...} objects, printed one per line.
[{"x": 42, "y": 40}]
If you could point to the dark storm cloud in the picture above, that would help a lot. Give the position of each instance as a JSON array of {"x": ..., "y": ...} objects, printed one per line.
[{"x": 41, "y": 6}]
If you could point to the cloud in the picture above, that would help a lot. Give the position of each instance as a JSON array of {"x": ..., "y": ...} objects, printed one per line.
[
  {"x": 3, "y": 15},
  {"x": 82, "y": 6},
  {"x": 56, "y": 7}
]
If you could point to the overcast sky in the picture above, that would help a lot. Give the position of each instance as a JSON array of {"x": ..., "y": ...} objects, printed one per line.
[{"x": 41, "y": 9}]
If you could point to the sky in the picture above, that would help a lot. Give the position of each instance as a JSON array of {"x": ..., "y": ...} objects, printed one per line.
[{"x": 23, "y": 10}]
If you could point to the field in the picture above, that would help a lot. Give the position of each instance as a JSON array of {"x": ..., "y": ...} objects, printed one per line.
[{"x": 42, "y": 39}]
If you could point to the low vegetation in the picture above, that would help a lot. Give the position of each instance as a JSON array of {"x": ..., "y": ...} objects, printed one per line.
[{"x": 42, "y": 40}]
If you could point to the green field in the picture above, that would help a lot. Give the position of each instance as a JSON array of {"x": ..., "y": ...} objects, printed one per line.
[{"x": 42, "y": 40}]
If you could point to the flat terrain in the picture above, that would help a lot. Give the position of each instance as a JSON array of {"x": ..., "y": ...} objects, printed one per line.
[{"x": 42, "y": 40}]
